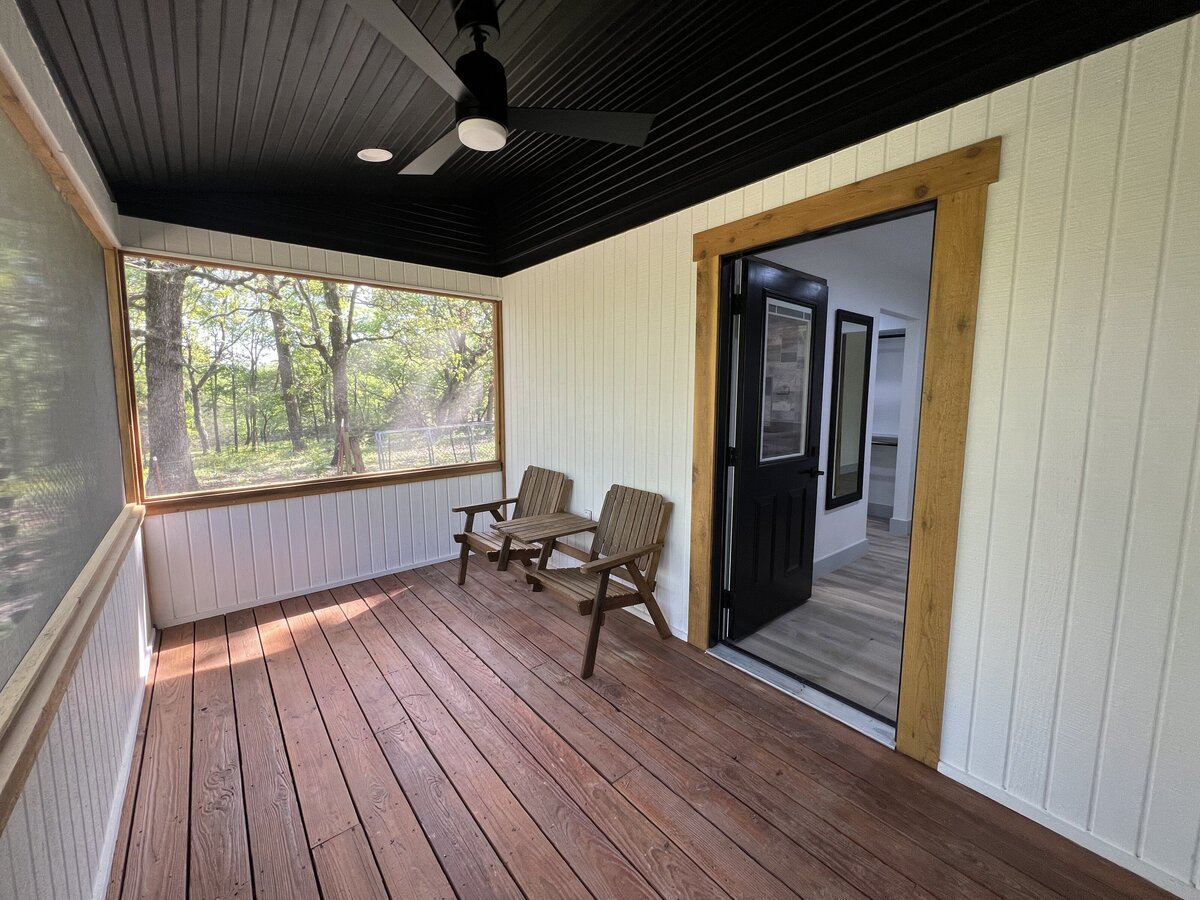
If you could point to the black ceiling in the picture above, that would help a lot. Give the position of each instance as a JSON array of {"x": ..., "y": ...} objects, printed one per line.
[{"x": 245, "y": 115}]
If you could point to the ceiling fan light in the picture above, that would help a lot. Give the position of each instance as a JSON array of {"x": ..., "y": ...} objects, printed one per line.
[
  {"x": 374, "y": 154},
  {"x": 479, "y": 133}
]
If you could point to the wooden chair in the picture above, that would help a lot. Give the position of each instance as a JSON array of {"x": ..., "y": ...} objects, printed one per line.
[
  {"x": 542, "y": 491},
  {"x": 629, "y": 537}
]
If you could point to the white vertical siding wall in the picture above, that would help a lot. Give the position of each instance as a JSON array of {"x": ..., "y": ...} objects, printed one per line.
[
  {"x": 205, "y": 562},
  {"x": 58, "y": 844},
  {"x": 208, "y": 561},
  {"x": 201, "y": 243},
  {"x": 1074, "y": 678}
]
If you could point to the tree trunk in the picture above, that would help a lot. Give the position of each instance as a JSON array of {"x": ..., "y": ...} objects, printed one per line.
[
  {"x": 233, "y": 411},
  {"x": 166, "y": 418},
  {"x": 216, "y": 421},
  {"x": 339, "y": 354},
  {"x": 341, "y": 409},
  {"x": 287, "y": 379},
  {"x": 197, "y": 418}
]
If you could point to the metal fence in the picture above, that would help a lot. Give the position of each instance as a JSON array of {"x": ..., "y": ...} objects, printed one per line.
[{"x": 437, "y": 445}]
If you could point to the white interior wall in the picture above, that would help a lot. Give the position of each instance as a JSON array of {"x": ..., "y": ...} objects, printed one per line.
[
  {"x": 886, "y": 403},
  {"x": 208, "y": 561},
  {"x": 1074, "y": 671},
  {"x": 58, "y": 844},
  {"x": 873, "y": 270}
]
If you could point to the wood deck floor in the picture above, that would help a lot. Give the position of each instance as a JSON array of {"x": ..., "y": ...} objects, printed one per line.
[
  {"x": 847, "y": 638},
  {"x": 410, "y": 738}
]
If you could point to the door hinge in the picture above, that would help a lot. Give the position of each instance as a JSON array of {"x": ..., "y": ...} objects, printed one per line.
[
  {"x": 737, "y": 296},
  {"x": 731, "y": 456}
]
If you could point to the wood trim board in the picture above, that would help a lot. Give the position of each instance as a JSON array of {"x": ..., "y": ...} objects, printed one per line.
[
  {"x": 30, "y": 699},
  {"x": 118, "y": 324},
  {"x": 156, "y": 506},
  {"x": 957, "y": 181},
  {"x": 131, "y": 433},
  {"x": 41, "y": 145}
]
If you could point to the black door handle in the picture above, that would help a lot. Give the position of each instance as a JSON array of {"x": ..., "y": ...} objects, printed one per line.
[{"x": 814, "y": 472}]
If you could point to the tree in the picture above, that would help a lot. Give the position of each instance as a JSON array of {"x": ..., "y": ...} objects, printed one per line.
[
  {"x": 166, "y": 420},
  {"x": 283, "y": 353},
  {"x": 333, "y": 342}
]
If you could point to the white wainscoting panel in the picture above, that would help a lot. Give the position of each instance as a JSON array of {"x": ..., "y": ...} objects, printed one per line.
[
  {"x": 1074, "y": 672},
  {"x": 208, "y": 561},
  {"x": 203, "y": 244},
  {"x": 58, "y": 844}
]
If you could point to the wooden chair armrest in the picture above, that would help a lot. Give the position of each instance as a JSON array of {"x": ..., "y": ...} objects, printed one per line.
[
  {"x": 483, "y": 507},
  {"x": 612, "y": 562}
]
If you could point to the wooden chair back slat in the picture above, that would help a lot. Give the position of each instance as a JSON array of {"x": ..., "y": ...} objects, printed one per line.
[
  {"x": 542, "y": 491},
  {"x": 629, "y": 519}
]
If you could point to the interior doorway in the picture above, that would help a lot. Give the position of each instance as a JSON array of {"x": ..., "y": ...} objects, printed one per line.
[{"x": 824, "y": 360}]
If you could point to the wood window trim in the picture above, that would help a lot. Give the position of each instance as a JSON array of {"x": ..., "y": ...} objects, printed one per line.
[
  {"x": 958, "y": 182},
  {"x": 169, "y": 503},
  {"x": 135, "y": 490}
]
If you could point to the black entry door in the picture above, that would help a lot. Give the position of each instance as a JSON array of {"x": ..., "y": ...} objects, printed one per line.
[{"x": 780, "y": 347}]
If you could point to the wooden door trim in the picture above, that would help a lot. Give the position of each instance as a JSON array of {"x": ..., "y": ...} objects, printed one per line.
[{"x": 958, "y": 182}]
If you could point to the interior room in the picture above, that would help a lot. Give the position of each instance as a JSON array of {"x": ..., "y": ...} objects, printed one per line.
[
  {"x": 846, "y": 637},
  {"x": 514, "y": 448}
]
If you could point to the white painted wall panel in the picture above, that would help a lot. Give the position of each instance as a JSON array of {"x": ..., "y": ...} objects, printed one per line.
[
  {"x": 58, "y": 844},
  {"x": 1074, "y": 673},
  {"x": 183, "y": 240},
  {"x": 203, "y": 562}
]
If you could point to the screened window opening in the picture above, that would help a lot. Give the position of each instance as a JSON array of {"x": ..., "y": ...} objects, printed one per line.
[{"x": 245, "y": 379}]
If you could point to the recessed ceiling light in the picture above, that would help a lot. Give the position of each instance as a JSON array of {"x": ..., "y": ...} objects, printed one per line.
[{"x": 374, "y": 154}]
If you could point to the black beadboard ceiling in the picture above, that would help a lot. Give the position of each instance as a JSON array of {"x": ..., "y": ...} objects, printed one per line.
[{"x": 245, "y": 115}]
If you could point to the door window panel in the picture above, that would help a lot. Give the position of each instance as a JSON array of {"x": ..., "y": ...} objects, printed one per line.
[{"x": 787, "y": 353}]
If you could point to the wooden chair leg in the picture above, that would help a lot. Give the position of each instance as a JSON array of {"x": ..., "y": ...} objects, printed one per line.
[
  {"x": 660, "y": 621},
  {"x": 505, "y": 549},
  {"x": 463, "y": 557},
  {"x": 593, "y": 638},
  {"x": 547, "y": 552},
  {"x": 647, "y": 595}
]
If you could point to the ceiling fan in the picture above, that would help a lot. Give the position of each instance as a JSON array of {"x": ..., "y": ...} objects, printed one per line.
[{"x": 477, "y": 84}]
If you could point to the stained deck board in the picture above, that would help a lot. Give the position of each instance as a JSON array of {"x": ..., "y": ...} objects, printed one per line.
[
  {"x": 220, "y": 851},
  {"x": 470, "y": 862},
  {"x": 402, "y": 851},
  {"x": 536, "y": 866},
  {"x": 724, "y": 793},
  {"x": 156, "y": 865},
  {"x": 414, "y": 725},
  {"x": 754, "y": 833},
  {"x": 280, "y": 857},
  {"x": 120, "y": 850}
]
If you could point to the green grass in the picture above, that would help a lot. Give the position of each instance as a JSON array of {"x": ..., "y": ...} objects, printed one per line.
[{"x": 277, "y": 462}]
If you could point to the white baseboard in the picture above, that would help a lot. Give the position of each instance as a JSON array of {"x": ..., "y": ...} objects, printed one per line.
[
  {"x": 899, "y": 527},
  {"x": 1099, "y": 846},
  {"x": 827, "y": 565},
  {"x": 287, "y": 595}
]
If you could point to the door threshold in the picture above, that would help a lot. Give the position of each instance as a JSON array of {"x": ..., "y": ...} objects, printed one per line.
[{"x": 807, "y": 694}]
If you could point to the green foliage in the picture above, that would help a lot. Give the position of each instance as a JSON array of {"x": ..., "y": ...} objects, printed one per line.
[{"x": 410, "y": 360}]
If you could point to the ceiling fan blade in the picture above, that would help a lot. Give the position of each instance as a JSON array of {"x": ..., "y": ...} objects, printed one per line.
[
  {"x": 435, "y": 156},
  {"x": 397, "y": 28},
  {"x": 614, "y": 127}
]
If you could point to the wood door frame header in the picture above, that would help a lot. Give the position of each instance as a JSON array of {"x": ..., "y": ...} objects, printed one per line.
[
  {"x": 957, "y": 182},
  {"x": 919, "y": 182}
]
